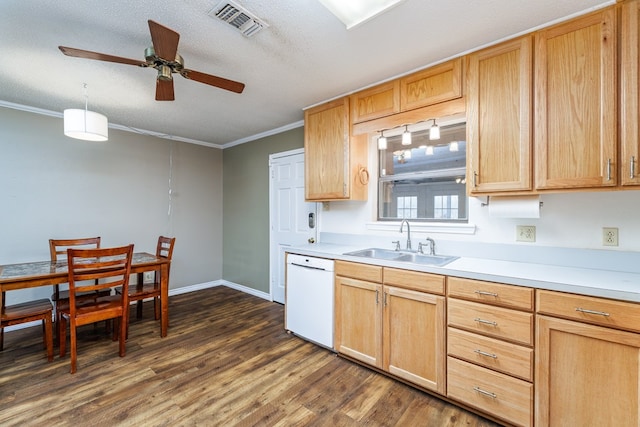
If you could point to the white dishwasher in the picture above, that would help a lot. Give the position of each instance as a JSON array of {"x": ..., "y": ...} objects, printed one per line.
[{"x": 309, "y": 298}]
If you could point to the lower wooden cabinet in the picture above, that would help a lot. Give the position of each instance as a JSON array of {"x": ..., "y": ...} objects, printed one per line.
[
  {"x": 490, "y": 348},
  {"x": 586, "y": 374},
  {"x": 399, "y": 330}
]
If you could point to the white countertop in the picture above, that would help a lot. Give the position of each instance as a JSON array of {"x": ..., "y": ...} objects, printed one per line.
[{"x": 600, "y": 283}]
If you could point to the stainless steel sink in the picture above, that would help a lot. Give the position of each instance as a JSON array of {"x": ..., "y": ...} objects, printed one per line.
[
  {"x": 403, "y": 256},
  {"x": 437, "y": 260},
  {"x": 377, "y": 253}
]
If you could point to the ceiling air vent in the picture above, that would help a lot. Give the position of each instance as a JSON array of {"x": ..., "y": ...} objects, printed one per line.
[{"x": 239, "y": 17}]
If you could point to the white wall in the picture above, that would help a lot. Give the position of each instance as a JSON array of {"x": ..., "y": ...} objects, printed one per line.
[
  {"x": 567, "y": 220},
  {"x": 57, "y": 187}
]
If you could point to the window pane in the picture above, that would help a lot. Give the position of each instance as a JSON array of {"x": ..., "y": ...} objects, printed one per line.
[{"x": 415, "y": 183}]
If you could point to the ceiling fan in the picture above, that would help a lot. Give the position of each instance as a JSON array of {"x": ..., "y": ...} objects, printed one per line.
[{"x": 164, "y": 57}]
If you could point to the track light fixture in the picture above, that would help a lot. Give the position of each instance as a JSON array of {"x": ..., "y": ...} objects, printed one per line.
[{"x": 434, "y": 133}]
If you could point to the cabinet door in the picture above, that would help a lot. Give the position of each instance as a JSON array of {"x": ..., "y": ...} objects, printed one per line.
[
  {"x": 414, "y": 337},
  {"x": 575, "y": 103},
  {"x": 326, "y": 151},
  {"x": 358, "y": 320},
  {"x": 431, "y": 86},
  {"x": 499, "y": 127},
  {"x": 378, "y": 101},
  {"x": 630, "y": 94},
  {"x": 586, "y": 375}
]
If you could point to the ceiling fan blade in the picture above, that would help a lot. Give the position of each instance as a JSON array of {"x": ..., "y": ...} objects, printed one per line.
[
  {"x": 164, "y": 90},
  {"x": 79, "y": 53},
  {"x": 208, "y": 79},
  {"x": 165, "y": 41}
]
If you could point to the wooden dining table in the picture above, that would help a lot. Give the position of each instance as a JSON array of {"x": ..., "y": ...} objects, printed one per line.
[{"x": 45, "y": 273}]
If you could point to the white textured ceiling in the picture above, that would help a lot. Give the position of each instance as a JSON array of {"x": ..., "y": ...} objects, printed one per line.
[{"x": 305, "y": 56}]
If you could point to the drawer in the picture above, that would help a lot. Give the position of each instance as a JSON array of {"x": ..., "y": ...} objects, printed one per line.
[
  {"x": 508, "y": 358},
  {"x": 599, "y": 311},
  {"x": 493, "y": 321},
  {"x": 370, "y": 273},
  {"x": 415, "y": 280},
  {"x": 500, "y": 395},
  {"x": 491, "y": 293}
]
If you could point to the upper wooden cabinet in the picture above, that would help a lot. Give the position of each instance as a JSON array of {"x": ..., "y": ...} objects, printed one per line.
[
  {"x": 378, "y": 101},
  {"x": 575, "y": 103},
  {"x": 499, "y": 128},
  {"x": 629, "y": 94},
  {"x": 435, "y": 84},
  {"x": 335, "y": 162}
]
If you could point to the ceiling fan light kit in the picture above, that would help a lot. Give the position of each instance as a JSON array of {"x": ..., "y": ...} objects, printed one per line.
[{"x": 162, "y": 56}]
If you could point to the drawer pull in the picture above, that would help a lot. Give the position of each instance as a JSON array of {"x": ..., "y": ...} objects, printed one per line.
[
  {"x": 587, "y": 311},
  {"x": 484, "y": 353},
  {"x": 485, "y": 322},
  {"x": 486, "y": 393},
  {"x": 491, "y": 294}
]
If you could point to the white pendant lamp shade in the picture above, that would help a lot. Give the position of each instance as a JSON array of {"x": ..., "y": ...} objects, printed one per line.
[
  {"x": 85, "y": 124},
  {"x": 406, "y": 136},
  {"x": 434, "y": 131}
]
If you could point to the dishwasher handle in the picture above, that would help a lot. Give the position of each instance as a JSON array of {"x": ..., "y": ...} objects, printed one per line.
[{"x": 308, "y": 266}]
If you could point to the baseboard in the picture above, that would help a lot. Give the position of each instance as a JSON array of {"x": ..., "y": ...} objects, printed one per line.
[{"x": 178, "y": 291}]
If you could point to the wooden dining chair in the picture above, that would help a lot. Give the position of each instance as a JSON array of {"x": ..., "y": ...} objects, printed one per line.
[
  {"x": 96, "y": 270},
  {"x": 141, "y": 291},
  {"x": 58, "y": 252},
  {"x": 27, "y": 312}
]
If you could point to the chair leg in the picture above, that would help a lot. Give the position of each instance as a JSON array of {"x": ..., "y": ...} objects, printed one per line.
[
  {"x": 48, "y": 336},
  {"x": 74, "y": 348},
  {"x": 1, "y": 338},
  {"x": 123, "y": 335},
  {"x": 139, "y": 309},
  {"x": 156, "y": 307},
  {"x": 62, "y": 335}
]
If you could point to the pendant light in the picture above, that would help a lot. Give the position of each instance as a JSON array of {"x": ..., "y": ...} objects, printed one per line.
[
  {"x": 85, "y": 124},
  {"x": 382, "y": 141},
  {"x": 434, "y": 131},
  {"x": 406, "y": 136}
]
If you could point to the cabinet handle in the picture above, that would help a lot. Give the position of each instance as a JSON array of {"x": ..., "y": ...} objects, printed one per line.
[
  {"x": 385, "y": 298},
  {"x": 475, "y": 178},
  {"x": 484, "y": 353},
  {"x": 587, "y": 311},
  {"x": 608, "y": 169},
  {"x": 377, "y": 297},
  {"x": 632, "y": 167},
  {"x": 491, "y": 294},
  {"x": 486, "y": 322},
  {"x": 486, "y": 393}
]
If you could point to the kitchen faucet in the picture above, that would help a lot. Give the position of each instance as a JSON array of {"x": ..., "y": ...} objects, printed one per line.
[{"x": 408, "y": 233}]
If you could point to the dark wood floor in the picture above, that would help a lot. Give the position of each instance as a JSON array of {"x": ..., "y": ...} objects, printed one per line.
[{"x": 226, "y": 361}]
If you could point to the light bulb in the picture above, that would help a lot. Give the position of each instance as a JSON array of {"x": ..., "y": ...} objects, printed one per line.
[{"x": 453, "y": 146}]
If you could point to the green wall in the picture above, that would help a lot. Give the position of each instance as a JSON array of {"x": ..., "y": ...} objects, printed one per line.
[{"x": 246, "y": 207}]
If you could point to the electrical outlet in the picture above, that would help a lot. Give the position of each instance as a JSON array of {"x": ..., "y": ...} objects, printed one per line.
[
  {"x": 525, "y": 233},
  {"x": 148, "y": 276},
  {"x": 609, "y": 236}
]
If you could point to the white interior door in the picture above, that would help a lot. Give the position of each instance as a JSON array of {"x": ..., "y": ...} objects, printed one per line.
[{"x": 292, "y": 220}]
